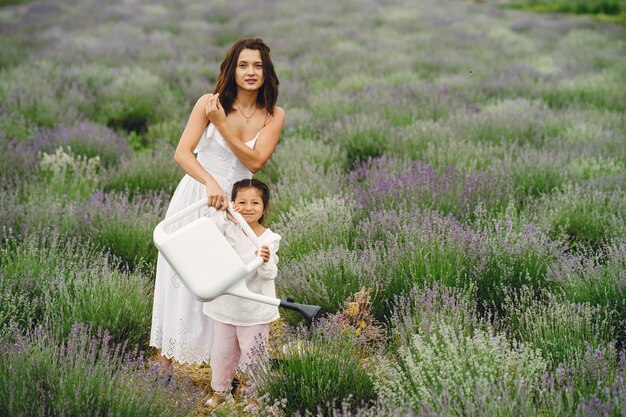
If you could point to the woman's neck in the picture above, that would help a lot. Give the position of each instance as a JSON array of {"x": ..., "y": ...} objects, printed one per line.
[{"x": 246, "y": 99}]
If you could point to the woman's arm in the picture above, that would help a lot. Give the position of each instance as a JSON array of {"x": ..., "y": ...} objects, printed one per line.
[
  {"x": 253, "y": 159},
  {"x": 185, "y": 158}
]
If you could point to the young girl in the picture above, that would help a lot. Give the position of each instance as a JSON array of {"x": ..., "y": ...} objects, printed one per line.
[{"x": 241, "y": 326}]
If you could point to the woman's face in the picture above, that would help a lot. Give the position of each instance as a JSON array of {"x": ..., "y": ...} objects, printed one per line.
[{"x": 249, "y": 72}]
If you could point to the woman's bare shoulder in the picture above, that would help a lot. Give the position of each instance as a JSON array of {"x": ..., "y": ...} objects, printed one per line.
[
  {"x": 204, "y": 99},
  {"x": 278, "y": 111},
  {"x": 278, "y": 114}
]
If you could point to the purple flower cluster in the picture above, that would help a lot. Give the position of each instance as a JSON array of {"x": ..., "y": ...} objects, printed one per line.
[
  {"x": 423, "y": 308},
  {"x": 592, "y": 386},
  {"x": 84, "y": 138},
  {"x": 84, "y": 374},
  {"x": 387, "y": 183}
]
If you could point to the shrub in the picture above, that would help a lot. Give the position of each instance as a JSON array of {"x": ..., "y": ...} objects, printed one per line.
[
  {"x": 558, "y": 329},
  {"x": 165, "y": 132},
  {"x": 50, "y": 279},
  {"x": 316, "y": 375},
  {"x": 596, "y": 279},
  {"x": 534, "y": 172},
  {"x": 446, "y": 366},
  {"x": 517, "y": 121},
  {"x": 133, "y": 99},
  {"x": 589, "y": 385},
  {"x": 510, "y": 254},
  {"x": 311, "y": 182},
  {"x": 363, "y": 137},
  {"x": 328, "y": 277},
  {"x": 423, "y": 246},
  {"x": 83, "y": 138},
  {"x": 84, "y": 374},
  {"x": 68, "y": 176},
  {"x": 114, "y": 223},
  {"x": 425, "y": 307},
  {"x": 144, "y": 173},
  {"x": 123, "y": 226},
  {"x": 585, "y": 217},
  {"x": 320, "y": 224},
  {"x": 403, "y": 184},
  {"x": 38, "y": 92},
  {"x": 600, "y": 89}
]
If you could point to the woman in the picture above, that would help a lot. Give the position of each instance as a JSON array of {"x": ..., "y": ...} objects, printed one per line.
[{"x": 244, "y": 126}]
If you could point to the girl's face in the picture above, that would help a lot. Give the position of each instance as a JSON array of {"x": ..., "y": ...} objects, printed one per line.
[
  {"x": 249, "y": 204},
  {"x": 249, "y": 72}
]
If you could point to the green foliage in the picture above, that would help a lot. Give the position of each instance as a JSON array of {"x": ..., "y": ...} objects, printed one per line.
[
  {"x": 363, "y": 137},
  {"x": 325, "y": 277},
  {"x": 143, "y": 173},
  {"x": 316, "y": 375},
  {"x": 585, "y": 217},
  {"x": 535, "y": 172},
  {"x": 320, "y": 224},
  {"x": 464, "y": 368},
  {"x": 82, "y": 375},
  {"x": 415, "y": 312},
  {"x": 165, "y": 133},
  {"x": 600, "y": 90},
  {"x": 607, "y": 7},
  {"x": 58, "y": 281},
  {"x": 581, "y": 383},
  {"x": 66, "y": 175},
  {"x": 123, "y": 227},
  {"x": 518, "y": 121},
  {"x": 133, "y": 99},
  {"x": 112, "y": 222},
  {"x": 561, "y": 331},
  {"x": 597, "y": 280}
]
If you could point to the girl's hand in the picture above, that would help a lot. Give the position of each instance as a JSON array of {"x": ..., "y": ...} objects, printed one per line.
[
  {"x": 216, "y": 196},
  {"x": 214, "y": 111},
  {"x": 265, "y": 253}
]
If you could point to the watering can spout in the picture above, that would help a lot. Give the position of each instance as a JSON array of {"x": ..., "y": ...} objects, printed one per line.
[{"x": 308, "y": 311}]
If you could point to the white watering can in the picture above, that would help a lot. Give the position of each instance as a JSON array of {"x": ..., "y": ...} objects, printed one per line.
[{"x": 208, "y": 266}]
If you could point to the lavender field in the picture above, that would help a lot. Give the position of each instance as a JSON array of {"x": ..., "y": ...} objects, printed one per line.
[{"x": 450, "y": 187}]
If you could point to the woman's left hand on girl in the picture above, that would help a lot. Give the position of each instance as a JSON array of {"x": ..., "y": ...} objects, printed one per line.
[{"x": 265, "y": 253}]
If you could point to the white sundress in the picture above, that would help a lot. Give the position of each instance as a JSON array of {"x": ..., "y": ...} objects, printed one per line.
[{"x": 179, "y": 327}]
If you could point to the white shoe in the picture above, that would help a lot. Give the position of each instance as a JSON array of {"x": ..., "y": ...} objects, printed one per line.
[{"x": 212, "y": 402}]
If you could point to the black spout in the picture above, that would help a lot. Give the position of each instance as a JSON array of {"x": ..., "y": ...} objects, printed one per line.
[{"x": 308, "y": 311}]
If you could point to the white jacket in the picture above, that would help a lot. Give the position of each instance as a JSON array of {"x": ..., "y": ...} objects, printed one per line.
[{"x": 240, "y": 311}]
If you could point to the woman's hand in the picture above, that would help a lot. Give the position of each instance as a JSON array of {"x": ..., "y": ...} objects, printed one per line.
[
  {"x": 214, "y": 110},
  {"x": 216, "y": 196},
  {"x": 265, "y": 253}
]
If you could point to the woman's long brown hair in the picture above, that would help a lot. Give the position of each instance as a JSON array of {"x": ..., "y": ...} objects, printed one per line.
[{"x": 227, "y": 87}]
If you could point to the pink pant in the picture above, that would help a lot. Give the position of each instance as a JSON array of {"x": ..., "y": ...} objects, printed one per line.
[{"x": 232, "y": 343}]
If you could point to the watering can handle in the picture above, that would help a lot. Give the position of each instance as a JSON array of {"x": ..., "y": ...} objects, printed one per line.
[
  {"x": 197, "y": 206},
  {"x": 244, "y": 226}
]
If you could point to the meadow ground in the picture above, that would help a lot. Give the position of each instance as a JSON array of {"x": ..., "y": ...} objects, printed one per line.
[{"x": 450, "y": 188}]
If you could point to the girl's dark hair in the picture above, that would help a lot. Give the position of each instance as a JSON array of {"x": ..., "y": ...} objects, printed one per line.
[
  {"x": 227, "y": 87},
  {"x": 259, "y": 185}
]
